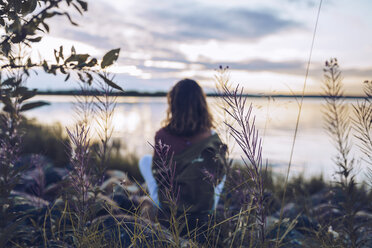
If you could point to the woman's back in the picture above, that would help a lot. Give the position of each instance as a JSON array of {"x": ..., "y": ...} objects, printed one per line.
[
  {"x": 179, "y": 143},
  {"x": 189, "y": 161}
]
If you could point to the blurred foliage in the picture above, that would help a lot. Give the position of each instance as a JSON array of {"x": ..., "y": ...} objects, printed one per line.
[
  {"x": 49, "y": 141},
  {"x": 24, "y": 23},
  {"x": 127, "y": 163},
  {"x": 52, "y": 142}
]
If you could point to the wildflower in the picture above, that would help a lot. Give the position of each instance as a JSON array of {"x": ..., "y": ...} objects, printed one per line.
[{"x": 334, "y": 234}]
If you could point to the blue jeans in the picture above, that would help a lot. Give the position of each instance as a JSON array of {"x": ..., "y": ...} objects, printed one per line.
[{"x": 145, "y": 169}]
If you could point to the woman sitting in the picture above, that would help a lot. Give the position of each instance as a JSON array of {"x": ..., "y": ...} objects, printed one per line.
[{"x": 188, "y": 165}]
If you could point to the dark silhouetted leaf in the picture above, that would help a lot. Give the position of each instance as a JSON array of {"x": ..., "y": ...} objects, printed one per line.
[
  {"x": 56, "y": 56},
  {"x": 110, "y": 83},
  {"x": 27, "y": 95},
  {"x": 9, "y": 81},
  {"x": 45, "y": 66},
  {"x": 67, "y": 77},
  {"x": 5, "y": 48},
  {"x": 110, "y": 58},
  {"x": 33, "y": 105},
  {"x": 46, "y": 26},
  {"x": 8, "y": 108},
  {"x": 28, "y": 6},
  {"x": 61, "y": 52},
  {"x": 81, "y": 78},
  {"x": 80, "y": 58},
  {"x": 90, "y": 78},
  {"x": 37, "y": 39},
  {"x": 83, "y": 4},
  {"x": 92, "y": 62},
  {"x": 70, "y": 19}
]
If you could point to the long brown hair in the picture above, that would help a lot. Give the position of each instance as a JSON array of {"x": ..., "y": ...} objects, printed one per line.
[{"x": 188, "y": 112}]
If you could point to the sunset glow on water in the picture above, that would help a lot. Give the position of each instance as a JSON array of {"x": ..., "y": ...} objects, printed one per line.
[{"x": 136, "y": 120}]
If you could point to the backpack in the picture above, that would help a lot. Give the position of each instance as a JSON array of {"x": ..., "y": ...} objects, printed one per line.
[{"x": 186, "y": 181}]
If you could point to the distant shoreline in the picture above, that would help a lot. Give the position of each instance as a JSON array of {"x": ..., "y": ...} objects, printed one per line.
[{"x": 163, "y": 94}]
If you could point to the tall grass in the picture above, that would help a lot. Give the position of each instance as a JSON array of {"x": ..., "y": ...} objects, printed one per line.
[
  {"x": 247, "y": 137},
  {"x": 362, "y": 124},
  {"x": 338, "y": 125}
]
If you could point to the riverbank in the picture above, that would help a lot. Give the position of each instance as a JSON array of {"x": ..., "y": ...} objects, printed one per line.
[{"x": 312, "y": 214}]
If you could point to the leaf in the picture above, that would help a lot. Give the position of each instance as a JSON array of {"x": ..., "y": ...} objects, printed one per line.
[
  {"x": 28, "y": 6},
  {"x": 110, "y": 58},
  {"x": 92, "y": 62},
  {"x": 8, "y": 108},
  {"x": 110, "y": 83},
  {"x": 20, "y": 91},
  {"x": 70, "y": 19},
  {"x": 17, "y": 5},
  {"x": 45, "y": 66},
  {"x": 46, "y": 26},
  {"x": 27, "y": 95},
  {"x": 56, "y": 56},
  {"x": 5, "y": 48},
  {"x": 29, "y": 62},
  {"x": 67, "y": 77},
  {"x": 80, "y": 58},
  {"x": 33, "y": 105},
  {"x": 62, "y": 70},
  {"x": 77, "y": 8},
  {"x": 9, "y": 81},
  {"x": 90, "y": 78},
  {"x": 37, "y": 39},
  {"x": 61, "y": 52},
  {"x": 83, "y": 4},
  {"x": 81, "y": 78}
]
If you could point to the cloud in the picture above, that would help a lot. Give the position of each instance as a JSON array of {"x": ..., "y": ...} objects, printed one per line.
[
  {"x": 260, "y": 65},
  {"x": 160, "y": 66},
  {"x": 98, "y": 41},
  {"x": 146, "y": 26},
  {"x": 168, "y": 39},
  {"x": 201, "y": 22}
]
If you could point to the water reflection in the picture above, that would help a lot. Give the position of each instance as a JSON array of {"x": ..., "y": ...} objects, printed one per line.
[{"x": 136, "y": 120}]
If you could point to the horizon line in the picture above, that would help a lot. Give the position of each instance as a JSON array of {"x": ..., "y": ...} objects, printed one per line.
[{"x": 133, "y": 93}]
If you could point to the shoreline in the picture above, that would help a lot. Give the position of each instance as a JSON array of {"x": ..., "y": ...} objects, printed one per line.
[{"x": 164, "y": 94}]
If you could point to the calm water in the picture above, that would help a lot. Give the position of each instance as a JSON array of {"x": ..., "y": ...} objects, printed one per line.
[{"x": 136, "y": 119}]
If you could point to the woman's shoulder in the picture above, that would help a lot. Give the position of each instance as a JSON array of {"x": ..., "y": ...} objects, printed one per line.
[{"x": 161, "y": 133}]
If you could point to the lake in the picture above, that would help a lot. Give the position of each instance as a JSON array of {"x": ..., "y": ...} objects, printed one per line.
[{"x": 136, "y": 120}]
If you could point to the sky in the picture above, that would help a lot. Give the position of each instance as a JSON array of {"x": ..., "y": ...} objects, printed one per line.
[{"x": 265, "y": 43}]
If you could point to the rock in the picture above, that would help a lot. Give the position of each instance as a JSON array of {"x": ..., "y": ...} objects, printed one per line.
[
  {"x": 119, "y": 185},
  {"x": 271, "y": 221},
  {"x": 54, "y": 174},
  {"x": 24, "y": 201},
  {"x": 293, "y": 238},
  {"x": 54, "y": 190},
  {"x": 306, "y": 225},
  {"x": 290, "y": 210},
  {"x": 320, "y": 197},
  {"x": 325, "y": 213},
  {"x": 123, "y": 201},
  {"x": 133, "y": 231},
  {"x": 363, "y": 217}
]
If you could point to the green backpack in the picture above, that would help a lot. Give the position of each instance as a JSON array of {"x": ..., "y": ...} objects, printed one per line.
[{"x": 188, "y": 179}]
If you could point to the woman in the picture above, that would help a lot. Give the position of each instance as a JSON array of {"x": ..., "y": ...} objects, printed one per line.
[{"x": 189, "y": 158}]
